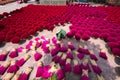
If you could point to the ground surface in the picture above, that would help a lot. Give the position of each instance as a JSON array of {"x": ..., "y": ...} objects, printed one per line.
[{"x": 106, "y": 65}]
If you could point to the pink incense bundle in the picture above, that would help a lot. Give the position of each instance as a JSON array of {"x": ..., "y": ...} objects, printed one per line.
[
  {"x": 44, "y": 43},
  {"x": 95, "y": 35},
  {"x": 13, "y": 53},
  {"x": 46, "y": 49},
  {"x": 80, "y": 49},
  {"x": 103, "y": 54},
  {"x": 46, "y": 74},
  {"x": 2, "y": 70},
  {"x": 38, "y": 43},
  {"x": 77, "y": 36},
  {"x": 69, "y": 54},
  {"x": 79, "y": 55},
  {"x": 55, "y": 51},
  {"x": 20, "y": 49},
  {"x": 31, "y": 45},
  {"x": 68, "y": 67},
  {"x": 85, "y": 37},
  {"x": 28, "y": 46},
  {"x": 85, "y": 50},
  {"x": 25, "y": 75},
  {"x": 84, "y": 75},
  {"x": 63, "y": 48},
  {"x": 57, "y": 57},
  {"x": 71, "y": 46},
  {"x": 95, "y": 67},
  {"x": 4, "y": 67},
  {"x": 104, "y": 35},
  {"x": 21, "y": 61},
  {"x": 58, "y": 45},
  {"x": 45, "y": 46},
  {"x": 92, "y": 55},
  {"x": 13, "y": 68},
  {"x": 60, "y": 74},
  {"x": 37, "y": 56},
  {"x": 113, "y": 44},
  {"x": 54, "y": 40},
  {"x": 39, "y": 70},
  {"x": 63, "y": 60},
  {"x": 30, "y": 42},
  {"x": 76, "y": 68},
  {"x": 45, "y": 39},
  {"x": 3, "y": 56},
  {"x": 84, "y": 65},
  {"x": 36, "y": 39},
  {"x": 116, "y": 51},
  {"x": 70, "y": 34},
  {"x": 35, "y": 44}
]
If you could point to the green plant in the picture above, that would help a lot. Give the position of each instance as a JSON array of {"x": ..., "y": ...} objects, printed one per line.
[{"x": 54, "y": 77}]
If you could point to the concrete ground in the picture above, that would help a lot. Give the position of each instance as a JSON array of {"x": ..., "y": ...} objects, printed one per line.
[{"x": 95, "y": 44}]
